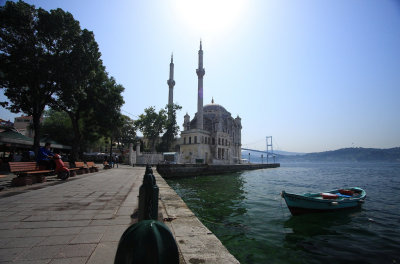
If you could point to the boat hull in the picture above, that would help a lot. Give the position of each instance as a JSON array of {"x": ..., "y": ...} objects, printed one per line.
[{"x": 313, "y": 203}]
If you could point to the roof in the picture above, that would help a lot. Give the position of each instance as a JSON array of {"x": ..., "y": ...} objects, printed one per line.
[
  {"x": 17, "y": 139},
  {"x": 214, "y": 108}
]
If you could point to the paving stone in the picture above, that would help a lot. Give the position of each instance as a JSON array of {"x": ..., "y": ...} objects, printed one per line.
[
  {"x": 35, "y": 218},
  {"x": 57, "y": 240},
  {"x": 125, "y": 210},
  {"x": 93, "y": 229},
  {"x": 104, "y": 253},
  {"x": 22, "y": 242},
  {"x": 39, "y": 231},
  {"x": 87, "y": 238},
  {"x": 77, "y": 250},
  {"x": 14, "y": 233},
  {"x": 12, "y": 218},
  {"x": 78, "y": 260},
  {"x": 9, "y": 254},
  {"x": 8, "y": 225},
  {"x": 113, "y": 233},
  {"x": 40, "y": 261},
  {"x": 40, "y": 252},
  {"x": 102, "y": 216},
  {"x": 83, "y": 217},
  {"x": 60, "y": 217}
]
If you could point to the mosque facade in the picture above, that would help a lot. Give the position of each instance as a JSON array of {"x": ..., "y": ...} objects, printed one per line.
[{"x": 213, "y": 136}]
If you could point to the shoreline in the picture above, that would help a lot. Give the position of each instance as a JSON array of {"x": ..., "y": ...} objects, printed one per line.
[{"x": 168, "y": 171}]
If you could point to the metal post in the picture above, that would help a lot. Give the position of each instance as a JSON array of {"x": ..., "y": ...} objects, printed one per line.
[
  {"x": 262, "y": 158},
  {"x": 148, "y": 197},
  {"x": 249, "y": 157}
]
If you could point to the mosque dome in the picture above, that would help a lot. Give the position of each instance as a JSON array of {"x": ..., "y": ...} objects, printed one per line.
[{"x": 214, "y": 108}]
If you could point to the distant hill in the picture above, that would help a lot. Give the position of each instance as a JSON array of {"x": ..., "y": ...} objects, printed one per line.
[
  {"x": 355, "y": 154},
  {"x": 287, "y": 153},
  {"x": 345, "y": 154}
]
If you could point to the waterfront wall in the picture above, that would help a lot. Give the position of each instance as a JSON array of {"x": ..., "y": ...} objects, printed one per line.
[
  {"x": 196, "y": 243},
  {"x": 188, "y": 170},
  {"x": 149, "y": 158}
]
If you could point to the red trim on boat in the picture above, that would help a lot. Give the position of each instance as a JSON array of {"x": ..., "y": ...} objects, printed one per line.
[{"x": 329, "y": 196}]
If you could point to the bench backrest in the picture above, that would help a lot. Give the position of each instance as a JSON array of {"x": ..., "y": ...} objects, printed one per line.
[
  {"x": 90, "y": 164},
  {"x": 23, "y": 166},
  {"x": 79, "y": 164}
]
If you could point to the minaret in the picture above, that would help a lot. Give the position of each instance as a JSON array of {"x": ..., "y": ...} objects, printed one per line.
[
  {"x": 200, "y": 73},
  {"x": 171, "y": 82}
]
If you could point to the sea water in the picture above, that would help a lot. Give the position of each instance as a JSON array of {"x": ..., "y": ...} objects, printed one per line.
[{"x": 245, "y": 211}]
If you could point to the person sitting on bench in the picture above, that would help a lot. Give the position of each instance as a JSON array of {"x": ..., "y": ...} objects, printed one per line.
[{"x": 44, "y": 157}]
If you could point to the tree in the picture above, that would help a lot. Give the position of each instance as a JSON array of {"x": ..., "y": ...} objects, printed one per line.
[
  {"x": 171, "y": 128},
  {"x": 152, "y": 124},
  {"x": 125, "y": 132},
  {"x": 31, "y": 44},
  {"x": 107, "y": 108},
  {"x": 57, "y": 125},
  {"x": 46, "y": 59},
  {"x": 82, "y": 71}
]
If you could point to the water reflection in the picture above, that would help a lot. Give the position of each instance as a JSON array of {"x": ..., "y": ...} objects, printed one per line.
[
  {"x": 309, "y": 225},
  {"x": 214, "y": 199}
]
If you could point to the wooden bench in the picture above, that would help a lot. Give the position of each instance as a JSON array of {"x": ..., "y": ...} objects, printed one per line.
[
  {"x": 82, "y": 166},
  {"x": 72, "y": 171},
  {"x": 28, "y": 173},
  {"x": 92, "y": 167}
]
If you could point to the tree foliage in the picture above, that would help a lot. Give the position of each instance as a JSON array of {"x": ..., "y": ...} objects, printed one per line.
[
  {"x": 171, "y": 128},
  {"x": 47, "y": 59},
  {"x": 86, "y": 90},
  {"x": 31, "y": 43},
  {"x": 57, "y": 126},
  {"x": 152, "y": 124},
  {"x": 126, "y": 132}
]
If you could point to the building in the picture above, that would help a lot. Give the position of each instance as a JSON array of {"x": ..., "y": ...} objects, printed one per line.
[
  {"x": 24, "y": 125},
  {"x": 213, "y": 136}
]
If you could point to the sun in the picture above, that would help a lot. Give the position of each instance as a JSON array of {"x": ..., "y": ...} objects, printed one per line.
[{"x": 209, "y": 17}]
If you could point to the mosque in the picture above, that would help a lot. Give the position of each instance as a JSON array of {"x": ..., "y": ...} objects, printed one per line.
[{"x": 213, "y": 136}]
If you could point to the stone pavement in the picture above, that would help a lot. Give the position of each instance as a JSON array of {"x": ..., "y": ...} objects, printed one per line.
[{"x": 79, "y": 221}]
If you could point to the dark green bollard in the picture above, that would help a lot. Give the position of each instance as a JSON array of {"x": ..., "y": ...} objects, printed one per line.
[
  {"x": 148, "y": 169},
  {"x": 148, "y": 197},
  {"x": 148, "y": 241}
]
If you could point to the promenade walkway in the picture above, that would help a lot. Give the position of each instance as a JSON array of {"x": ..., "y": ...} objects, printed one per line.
[{"x": 78, "y": 221}]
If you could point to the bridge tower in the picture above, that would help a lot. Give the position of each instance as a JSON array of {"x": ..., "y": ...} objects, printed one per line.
[{"x": 270, "y": 148}]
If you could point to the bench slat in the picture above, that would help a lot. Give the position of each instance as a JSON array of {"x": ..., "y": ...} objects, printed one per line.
[{"x": 26, "y": 168}]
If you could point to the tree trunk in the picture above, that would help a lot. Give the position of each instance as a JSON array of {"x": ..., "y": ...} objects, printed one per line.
[
  {"x": 77, "y": 138},
  {"x": 153, "y": 145},
  {"x": 36, "y": 129},
  {"x": 130, "y": 154},
  {"x": 111, "y": 150}
]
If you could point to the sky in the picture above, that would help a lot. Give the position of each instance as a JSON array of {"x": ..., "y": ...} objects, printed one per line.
[{"x": 314, "y": 75}]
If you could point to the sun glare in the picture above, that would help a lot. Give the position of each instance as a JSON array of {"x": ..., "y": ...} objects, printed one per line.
[{"x": 208, "y": 17}]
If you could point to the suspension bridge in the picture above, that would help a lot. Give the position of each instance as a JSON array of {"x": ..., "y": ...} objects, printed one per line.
[{"x": 269, "y": 152}]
